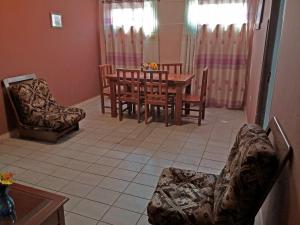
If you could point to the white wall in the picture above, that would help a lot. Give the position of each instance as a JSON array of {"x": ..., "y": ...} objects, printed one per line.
[{"x": 171, "y": 17}]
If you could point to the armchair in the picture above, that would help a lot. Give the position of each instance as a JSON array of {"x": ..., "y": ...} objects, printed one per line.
[
  {"x": 37, "y": 113},
  {"x": 184, "y": 197}
]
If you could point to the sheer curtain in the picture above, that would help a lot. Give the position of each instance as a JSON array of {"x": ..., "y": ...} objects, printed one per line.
[
  {"x": 130, "y": 26},
  {"x": 216, "y": 36}
]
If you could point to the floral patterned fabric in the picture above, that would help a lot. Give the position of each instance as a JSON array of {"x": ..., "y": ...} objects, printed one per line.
[
  {"x": 182, "y": 197},
  {"x": 246, "y": 177},
  {"x": 233, "y": 198},
  {"x": 37, "y": 107}
]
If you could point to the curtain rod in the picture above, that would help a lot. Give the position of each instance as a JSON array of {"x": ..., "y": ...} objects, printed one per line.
[{"x": 121, "y": 1}]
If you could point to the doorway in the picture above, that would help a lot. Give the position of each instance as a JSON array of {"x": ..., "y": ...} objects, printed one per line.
[{"x": 270, "y": 63}]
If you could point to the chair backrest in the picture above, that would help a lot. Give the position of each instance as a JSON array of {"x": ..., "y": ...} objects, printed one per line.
[
  {"x": 175, "y": 68},
  {"x": 252, "y": 168},
  {"x": 128, "y": 82},
  {"x": 7, "y": 83},
  {"x": 103, "y": 71},
  {"x": 32, "y": 97},
  {"x": 204, "y": 86},
  {"x": 156, "y": 84}
]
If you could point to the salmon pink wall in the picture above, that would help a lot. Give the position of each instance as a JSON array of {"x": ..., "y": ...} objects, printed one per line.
[
  {"x": 67, "y": 58},
  {"x": 283, "y": 206}
]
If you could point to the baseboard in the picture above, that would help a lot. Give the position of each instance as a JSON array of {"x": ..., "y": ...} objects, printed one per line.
[
  {"x": 5, "y": 136},
  {"x": 81, "y": 104},
  {"x": 11, "y": 134}
]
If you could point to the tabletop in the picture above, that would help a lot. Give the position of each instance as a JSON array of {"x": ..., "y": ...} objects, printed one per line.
[
  {"x": 32, "y": 206},
  {"x": 176, "y": 78}
]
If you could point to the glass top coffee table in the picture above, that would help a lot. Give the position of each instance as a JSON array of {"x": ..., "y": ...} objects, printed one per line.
[{"x": 35, "y": 207}]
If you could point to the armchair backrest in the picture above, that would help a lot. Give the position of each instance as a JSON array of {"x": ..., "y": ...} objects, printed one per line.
[
  {"x": 249, "y": 174},
  {"x": 7, "y": 83},
  {"x": 28, "y": 94}
]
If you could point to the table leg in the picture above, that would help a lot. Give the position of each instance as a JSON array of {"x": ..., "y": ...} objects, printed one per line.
[
  {"x": 113, "y": 100},
  {"x": 178, "y": 106},
  {"x": 61, "y": 216},
  {"x": 187, "y": 105}
]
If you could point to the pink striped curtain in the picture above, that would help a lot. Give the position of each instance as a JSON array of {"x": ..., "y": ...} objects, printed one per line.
[
  {"x": 130, "y": 32},
  {"x": 122, "y": 48},
  {"x": 224, "y": 50}
]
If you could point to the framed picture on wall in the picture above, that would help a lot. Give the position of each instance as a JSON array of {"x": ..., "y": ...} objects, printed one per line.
[
  {"x": 259, "y": 14},
  {"x": 56, "y": 20}
]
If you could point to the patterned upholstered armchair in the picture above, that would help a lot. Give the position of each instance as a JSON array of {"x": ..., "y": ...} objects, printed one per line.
[
  {"x": 37, "y": 113},
  {"x": 234, "y": 197}
]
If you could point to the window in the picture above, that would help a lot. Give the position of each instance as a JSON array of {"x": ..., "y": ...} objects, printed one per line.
[
  {"x": 214, "y": 14},
  {"x": 141, "y": 16}
]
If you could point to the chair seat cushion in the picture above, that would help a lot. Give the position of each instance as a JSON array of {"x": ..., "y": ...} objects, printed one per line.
[
  {"x": 171, "y": 90},
  {"x": 129, "y": 97},
  {"x": 58, "y": 119},
  {"x": 106, "y": 91},
  {"x": 191, "y": 98},
  {"x": 182, "y": 197}
]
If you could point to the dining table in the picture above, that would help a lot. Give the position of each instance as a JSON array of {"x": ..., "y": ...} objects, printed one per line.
[{"x": 181, "y": 83}]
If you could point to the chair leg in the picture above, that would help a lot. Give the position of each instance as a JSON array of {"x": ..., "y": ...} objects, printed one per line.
[
  {"x": 203, "y": 111},
  {"x": 146, "y": 113},
  {"x": 173, "y": 108},
  {"x": 129, "y": 107},
  {"x": 120, "y": 111},
  {"x": 102, "y": 104},
  {"x": 139, "y": 112},
  {"x": 152, "y": 111},
  {"x": 200, "y": 115},
  {"x": 133, "y": 109},
  {"x": 166, "y": 114}
]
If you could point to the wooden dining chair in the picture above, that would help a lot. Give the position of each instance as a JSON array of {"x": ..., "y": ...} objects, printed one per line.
[
  {"x": 199, "y": 100},
  {"x": 129, "y": 91},
  {"x": 172, "y": 68},
  {"x": 175, "y": 68},
  {"x": 156, "y": 91},
  {"x": 104, "y": 69}
]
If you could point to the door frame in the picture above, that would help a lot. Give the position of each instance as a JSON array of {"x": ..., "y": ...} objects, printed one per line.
[{"x": 267, "y": 62}]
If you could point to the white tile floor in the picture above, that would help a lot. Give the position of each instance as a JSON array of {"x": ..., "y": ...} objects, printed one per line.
[{"x": 109, "y": 168}]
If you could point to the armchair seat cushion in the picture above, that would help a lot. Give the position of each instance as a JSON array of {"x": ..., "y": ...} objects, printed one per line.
[
  {"x": 182, "y": 197},
  {"x": 59, "y": 118}
]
